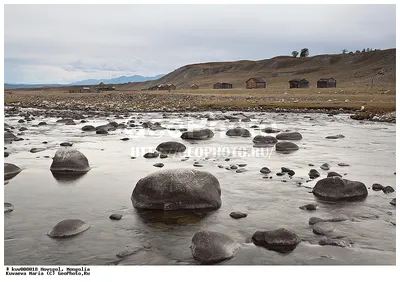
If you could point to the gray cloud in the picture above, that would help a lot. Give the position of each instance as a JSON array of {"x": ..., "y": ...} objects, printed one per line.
[{"x": 63, "y": 43}]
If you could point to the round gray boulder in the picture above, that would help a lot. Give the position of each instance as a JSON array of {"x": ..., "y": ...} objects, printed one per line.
[
  {"x": 264, "y": 140},
  {"x": 239, "y": 132},
  {"x": 280, "y": 240},
  {"x": 171, "y": 147},
  {"x": 68, "y": 227},
  {"x": 10, "y": 171},
  {"x": 212, "y": 247},
  {"x": 69, "y": 161},
  {"x": 337, "y": 189},
  {"x": 176, "y": 189},
  {"x": 286, "y": 147},
  {"x": 289, "y": 136},
  {"x": 200, "y": 134}
]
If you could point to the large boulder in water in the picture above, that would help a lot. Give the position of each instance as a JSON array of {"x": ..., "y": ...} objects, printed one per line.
[
  {"x": 69, "y": 161},
  {"x": 200, "y": 134},
  {"x": 68, "y": 227},
  {"x": 171, "y": 147},
  {"x": 264, "y": 140},
  {"x": 212, "y": 247},
  {"x": 286, "y": 147},
  {"x": 289, "y": 136},
  {"x": 10, "y": 171},
  {"x": 337, "y": 189},
  {"x": 238, "y": 132},
  {"x": 9, "y": 137},
  {"x": 175, "y": 189},
  {"x": 280, "y": 240}
]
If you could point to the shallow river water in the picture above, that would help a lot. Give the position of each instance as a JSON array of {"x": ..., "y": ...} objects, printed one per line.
[{"x": 41, "y": 201}]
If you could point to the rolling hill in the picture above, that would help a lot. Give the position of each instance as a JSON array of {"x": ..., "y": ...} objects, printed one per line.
[{"x": 350, "y": 70}]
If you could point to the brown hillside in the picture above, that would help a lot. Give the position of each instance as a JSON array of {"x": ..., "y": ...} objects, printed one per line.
[{"x": 350, "y": 70}]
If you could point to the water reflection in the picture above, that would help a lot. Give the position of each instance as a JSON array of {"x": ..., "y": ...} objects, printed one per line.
[{"x": 67, "y": 178}]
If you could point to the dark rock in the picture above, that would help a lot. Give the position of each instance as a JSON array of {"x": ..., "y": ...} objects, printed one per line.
[
  {"x": 280, "y": 240},
  {"x": 68, "y": 227},
  {"x": 289, "y": 136},
  {"x": 125, "y": 139},
  {"x": 265, "y": 170},
  {"x": 237, "y": 215},
  {"x": 325, "y": 166},
  {"x": 9, "y": 137},
  {"x": 309, "y": 207},
  {"x": 239, "y": 132},
  {"x": 286, "y": 147},
  {"x": 339, "y": 136},
  {"x": 314, "y": 220},
  {"x": 6, "y": 154},
  {"x": 280, "y": 174},
  {"x": 158, "y": 165},
  {"x": 343, "y": 164},
  {"x": 264, "y": 140},
  {"x": 65, "y": 120},
  {"x": 322, "y": 228},
  {"x": 333, "y": 174},
  {"x": 42, "y": 123},
  {"x": 89, "y": 128},
  {"x": 36, "y": 150},
  {"x": 201, "y": 134},
  {"x": 212, "y": 247},
  {"x": 285, "y": 169},
  {"x": 336, "y": 189},
  {"x": 291, "y": 173},
  {"x": 393, "y": 202},
  {"x": 377, "y": 187},
  {"x": 313, "y": 173},
  {"x": 23, "y": 129},
  {"x": 10, "y": 171},
  {"x": 115, "y": 216},
  {"x": 69, "y": 161},
  {"x": 21, "y": 121},
  {"x": 66, "y": 144},
  {"x": 174, "y": 189},
  {"x": 388, "y": 189},
  {"x": 171, "y": 147},
  {"x": 197, "y": 165},
  {"x": 270, "y": 130},
  {"x": 151, "y": 155},
  {"x": 101, "y": 131},
  {"x": 8, "y": 207},
  {"x": 310, "y": 165},
  {"x": 233, "y": 167},
  {"x": 340, "y": 242},
  {"x": 45, "y": 142},
  {"x": 163, "y": 156},
  {"x": 70, "y": 123},
  {"x": 254, "y": 126},
  {"x": 227, "y": 159}
]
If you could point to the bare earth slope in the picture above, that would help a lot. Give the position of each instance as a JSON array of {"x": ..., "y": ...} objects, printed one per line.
[{"x": 350, "y": 70}]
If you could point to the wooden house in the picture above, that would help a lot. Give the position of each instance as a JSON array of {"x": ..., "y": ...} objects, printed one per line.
[
  {"x": 256, "y": 82},
  {"x": 222, "y": 85},
  {"x": 326, "y": 83},
  {"x": 299, "y": 83}
]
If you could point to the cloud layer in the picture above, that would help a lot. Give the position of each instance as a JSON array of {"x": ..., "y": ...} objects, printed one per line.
[{"x": 65, "y": 43}]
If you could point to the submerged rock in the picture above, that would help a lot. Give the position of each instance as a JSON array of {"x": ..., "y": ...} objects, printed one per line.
[
  {"x": 339, "y": 136},
  {"x": 322, "y": 228},
  {"x": 286, "y": 147},
  {"x": 174, "y": 189},
  {"x": 36, "y": 150},
  {"x": 9, "y": 137},
  {"x": 239, "y": 132},
  {"x": 66, "y": 144},
  {"x": 264, "y": 140},
  {"x": 309, "y": 207},
  {"x": 343, "y": 164},
  {"x": 336, "y": 189},
  {"x": 388, "y": 189},
  {"x": 289, "y": 136},
  {"x": 68, "y": 227},
  {"x": 69, "y": 161},
  {"x": 237, "y": 215},
  {"x": 10, "y": 171},
  {"x": 280, "y": 240},
  {"x": 171, "y": 147},
  {"x": 8, "y": 207},
  {"x": 130, "y": 250},
  {"x": 115, "y": 216},
  {"x": 201, "y": 134},
  {"x": 314, "y": 220},
  {"x": 151, "y": 155},
  {"x": 270, "y": 130},
  {"x": 340, "y": 242},
  {"x": 212, "y": 247}
]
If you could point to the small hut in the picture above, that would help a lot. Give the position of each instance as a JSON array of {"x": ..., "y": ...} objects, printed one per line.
[
  {"x": 299, "y": 83},
  {"x": 326, "y": 83},
  {"x": 194, "y": 86},
  {"x": 256, "y": 82},
  {"x": 222, "y": 85}
]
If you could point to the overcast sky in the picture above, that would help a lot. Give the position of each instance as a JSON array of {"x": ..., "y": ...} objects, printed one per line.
[{"x": 66, "y": 43}]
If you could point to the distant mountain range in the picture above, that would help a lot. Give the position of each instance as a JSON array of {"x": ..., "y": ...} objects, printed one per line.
[{"x": 117, "y": 80}]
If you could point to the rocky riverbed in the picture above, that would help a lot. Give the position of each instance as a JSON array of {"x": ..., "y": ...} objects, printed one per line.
[{"x": 266, "y": 205}]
